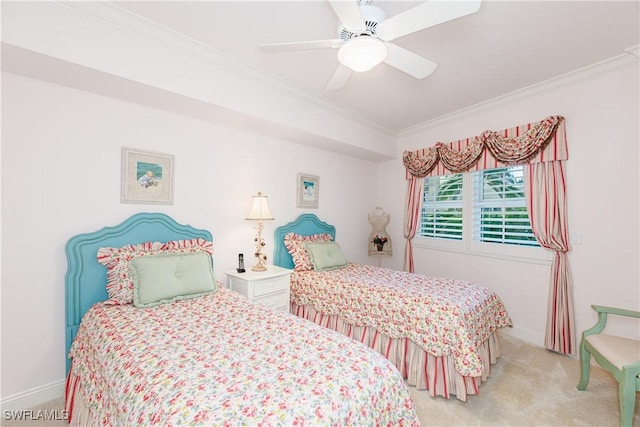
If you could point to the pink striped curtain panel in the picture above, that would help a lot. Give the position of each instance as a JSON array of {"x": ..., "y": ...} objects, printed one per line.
[
  {"x": 546, "y": 202},
  {"x": 542, "y": 147},
  {"x": 411, "y": 216}
]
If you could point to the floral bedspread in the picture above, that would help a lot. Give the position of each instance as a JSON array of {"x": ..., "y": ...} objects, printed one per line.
[
  {"x": 220, "y": 360},
  {"x": 443, "y": 316}
]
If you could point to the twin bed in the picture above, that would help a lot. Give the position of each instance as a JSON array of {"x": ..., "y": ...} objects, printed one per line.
[
  {"x": 153, "y": 338},
  {"x": 441, "y": 334},
  {"x": 183, "y": 350}
]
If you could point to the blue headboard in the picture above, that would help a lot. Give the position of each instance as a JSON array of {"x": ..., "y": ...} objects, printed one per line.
[
  {"x": 86, "y": 279},
  {"x": 305, "y": 225}
]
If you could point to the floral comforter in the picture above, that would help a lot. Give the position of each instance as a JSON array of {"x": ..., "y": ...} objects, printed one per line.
[
  {"x": 220, "y": 360},
  {"x": 445, "y": 317}
]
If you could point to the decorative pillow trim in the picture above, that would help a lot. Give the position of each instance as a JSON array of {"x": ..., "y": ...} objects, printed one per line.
[
  {"x": 295, "y": 246},
  {"x": 119, "y": 281},
  {"x": 191, "y": 245}
]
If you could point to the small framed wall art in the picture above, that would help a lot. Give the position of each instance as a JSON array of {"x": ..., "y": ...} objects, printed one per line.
[
  {"x": 308, "y": 191},
  {"x": 147, "y": 177}
]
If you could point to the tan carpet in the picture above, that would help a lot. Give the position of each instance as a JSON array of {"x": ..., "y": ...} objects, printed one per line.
[{"x": 529, "y": 386}]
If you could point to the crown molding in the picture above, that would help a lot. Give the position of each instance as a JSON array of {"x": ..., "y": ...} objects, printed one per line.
[
  {"x": 590, "y": 72},
  {"x": 634, "y": 50},
  {"x": 127, "y": 21}
]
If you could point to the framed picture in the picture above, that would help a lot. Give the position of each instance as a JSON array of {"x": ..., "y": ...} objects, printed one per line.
[
  {"x": 308, "y": 190},
  {"x": 147, "y": 177}
]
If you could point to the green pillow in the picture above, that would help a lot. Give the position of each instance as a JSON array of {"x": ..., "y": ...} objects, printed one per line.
[
  {"x": 159, "y": 279},
  {"x": 325, "y": 255}
]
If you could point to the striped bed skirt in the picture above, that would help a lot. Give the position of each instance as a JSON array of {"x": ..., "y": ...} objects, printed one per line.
[
  {"x": 75, "y": 403},
  {"x": 437, "y": 374}
]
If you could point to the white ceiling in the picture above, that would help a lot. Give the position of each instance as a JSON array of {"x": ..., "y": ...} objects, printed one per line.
[{"x": 502, "y": 48}]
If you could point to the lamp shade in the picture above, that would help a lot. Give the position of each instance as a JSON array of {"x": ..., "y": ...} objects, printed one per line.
[
  {"x": 362, "y": 53},
  {"x": 260, "y": 208}
]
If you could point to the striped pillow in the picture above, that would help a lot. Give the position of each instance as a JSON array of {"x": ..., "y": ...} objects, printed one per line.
[
  {"x": 117, "y": 261},
  {"x": 295, "y": 245}
]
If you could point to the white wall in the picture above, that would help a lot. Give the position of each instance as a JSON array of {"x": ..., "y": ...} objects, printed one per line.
[
  {"x": 61, "y": 157},
  {"x": 602, "y": 189}
]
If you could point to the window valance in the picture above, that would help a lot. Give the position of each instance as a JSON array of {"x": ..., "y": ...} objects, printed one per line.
[{"x": 531, "y": 143}]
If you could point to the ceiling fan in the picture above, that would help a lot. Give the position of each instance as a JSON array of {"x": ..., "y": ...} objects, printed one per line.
[{"x": 365, "y": 34}]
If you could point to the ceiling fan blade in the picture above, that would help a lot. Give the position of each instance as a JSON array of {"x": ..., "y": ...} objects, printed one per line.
[
  {"x": 339, "y": 78},
  {"x": 423, "y": 16},
  {"x": 349, "y": 14},
  {"x": 409, "y": 62},
  {"x": 314, "y": 44}
]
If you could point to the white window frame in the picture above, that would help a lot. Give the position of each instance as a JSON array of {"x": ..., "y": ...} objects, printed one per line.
[{"x": 532, "y": 254}]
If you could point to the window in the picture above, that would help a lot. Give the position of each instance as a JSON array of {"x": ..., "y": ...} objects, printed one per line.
[
  {"x": 441, "y": 214},
  {"x": 483, "y": 212},
  {"x": 499, "y": 207}
]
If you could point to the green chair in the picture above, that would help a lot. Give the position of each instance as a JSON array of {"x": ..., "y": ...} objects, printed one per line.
[{"x": 618, "y": 355}]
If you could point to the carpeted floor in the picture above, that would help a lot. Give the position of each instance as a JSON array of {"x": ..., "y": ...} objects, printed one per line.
[{"x": 529, "y": 386}]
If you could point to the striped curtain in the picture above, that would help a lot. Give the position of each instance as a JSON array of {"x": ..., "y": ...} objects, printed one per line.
[
  {"x": 547, "y": 205},
  {"x": 414, "y": 202},
  {"x": 543, "y": 147}
]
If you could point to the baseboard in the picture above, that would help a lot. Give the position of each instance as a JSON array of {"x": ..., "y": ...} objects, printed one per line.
[
  {"x": 33, "y": 397},
  {"x": 530, "y": 337}
]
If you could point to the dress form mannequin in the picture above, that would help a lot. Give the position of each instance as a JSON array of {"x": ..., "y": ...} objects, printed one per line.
[{"x": 379, "y": 240}]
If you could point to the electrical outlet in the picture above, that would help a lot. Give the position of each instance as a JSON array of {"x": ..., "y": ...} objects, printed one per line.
[{"x": 576, "y": 238}]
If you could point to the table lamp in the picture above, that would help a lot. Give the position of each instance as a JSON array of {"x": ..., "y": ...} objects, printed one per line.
[{"x": 260, "y": 211}]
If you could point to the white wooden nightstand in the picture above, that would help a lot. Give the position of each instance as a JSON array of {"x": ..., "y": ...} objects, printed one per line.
[{"x": 270, "y": 288}]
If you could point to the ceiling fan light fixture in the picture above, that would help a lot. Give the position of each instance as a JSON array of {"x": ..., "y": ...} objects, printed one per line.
[{"x": 362, "y": 53}]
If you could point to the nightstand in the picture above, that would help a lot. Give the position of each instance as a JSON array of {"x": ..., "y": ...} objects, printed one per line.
[{"x": 270, "y": 288}]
